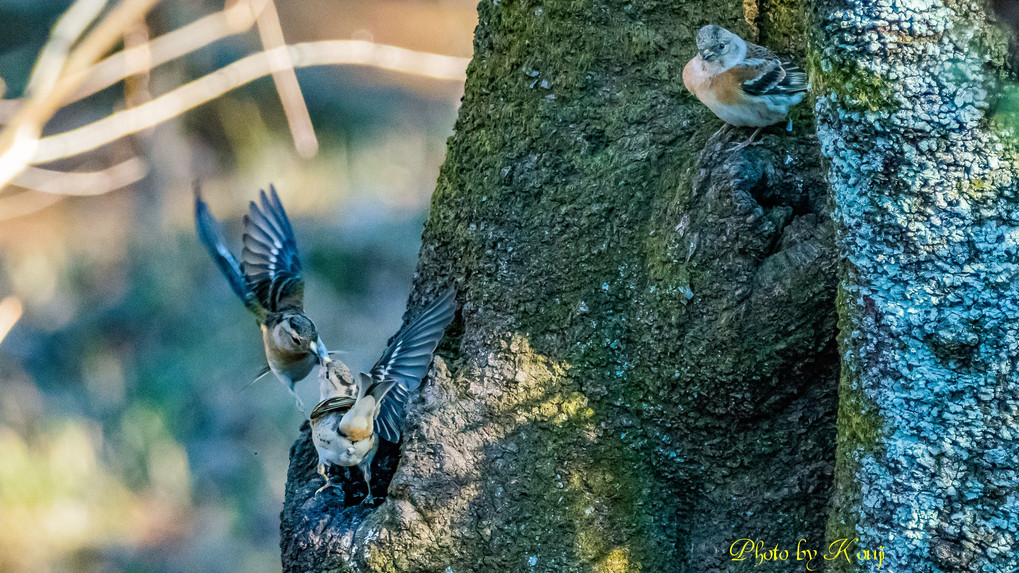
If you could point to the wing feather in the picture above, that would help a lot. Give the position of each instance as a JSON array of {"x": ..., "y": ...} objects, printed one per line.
[
  {"x": 338, "y": 404},
  {"x": 272, "y": 269},
  {"x": 405, "y": 363},
  {"x": 211, "y": 235},
  {"x": 756, "y": 52},
  {"x": 773, "y": 78}
]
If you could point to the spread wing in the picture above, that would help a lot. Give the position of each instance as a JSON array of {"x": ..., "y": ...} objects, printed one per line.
[
  {"x": 272, "y": 271},
  {"x": 405, "y": 363},
  {"x": 211, "y": 235},
  {"x": 764, "y": 74}
]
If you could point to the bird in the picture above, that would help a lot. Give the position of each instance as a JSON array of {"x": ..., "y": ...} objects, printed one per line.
[
  {"x": 268, "y": 280},
  {"x": 356, "y": 412},
  {"x": 744, "y": 84}
]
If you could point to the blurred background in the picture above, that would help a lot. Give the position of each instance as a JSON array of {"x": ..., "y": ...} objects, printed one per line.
[{"x": 130, "y": 439}]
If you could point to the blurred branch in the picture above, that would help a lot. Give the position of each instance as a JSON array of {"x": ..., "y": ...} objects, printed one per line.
[
  {"x": 45, "y": 187},
  {"x": 71, "y": 25},
  {"x": 61, "y": 68},
  {"x": 83, "y": 183},
  {"x": 136, "y": 87},
  {"x": 236, "y": 74},
  {"x": 285, "y": 79},
  {"x": 10, "y": 313},
  {"x": 18, "y": 140},
  {"x": 67, "y": 70},
  {"x": 135, "y": 60},
  {"x": 234, "y": 20}
]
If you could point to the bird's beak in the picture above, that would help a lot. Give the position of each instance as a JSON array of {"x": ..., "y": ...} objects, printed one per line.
[
  {"x": 705, "y": 54},
  {"x": 320, "y": 350}
]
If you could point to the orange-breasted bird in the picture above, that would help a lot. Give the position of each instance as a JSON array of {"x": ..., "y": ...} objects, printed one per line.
[
  {"x": 744, "y": 84},
  {"x": 353, "y": 414},
  {"x": 268, "y": 280}
]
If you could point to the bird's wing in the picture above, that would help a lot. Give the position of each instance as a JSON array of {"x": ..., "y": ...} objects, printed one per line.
[
  {"x": 272, "y": 271},
  {"x": 339, "y": 404},
  {"x": 211, "y": 235},
  {"x": 764, "y": 74},
  {"x": 755, "y": 52},
  {"x": 405, "y": 363}
]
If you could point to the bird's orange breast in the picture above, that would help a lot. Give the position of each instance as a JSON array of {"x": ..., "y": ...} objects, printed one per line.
[
  {"x": 357, "y": 429},
  {"x": 359, "y": 423},
  {"x": 694, "y": 75},
  {"x": 725, "y": 87}
]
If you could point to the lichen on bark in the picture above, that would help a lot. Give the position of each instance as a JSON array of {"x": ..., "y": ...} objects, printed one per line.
[
  {"x": 644, "y": 366},
  {"x": 926, "y": 210}
]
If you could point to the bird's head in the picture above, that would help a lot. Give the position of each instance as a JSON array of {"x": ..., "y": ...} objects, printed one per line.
[
  {"x": 719, "y": 47},
  {"x": 335, "y": 380},
  {"x": 297, "y": 333}
]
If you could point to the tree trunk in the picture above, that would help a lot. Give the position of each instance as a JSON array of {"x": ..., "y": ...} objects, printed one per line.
[
  {"x": 644, "y": 367},
  {"x": 924, "y": 181}
]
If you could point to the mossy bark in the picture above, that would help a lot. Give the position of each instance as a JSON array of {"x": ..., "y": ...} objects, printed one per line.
[
  {"x": 924, "y": 177},
  {"x": 644, "y": 367}
]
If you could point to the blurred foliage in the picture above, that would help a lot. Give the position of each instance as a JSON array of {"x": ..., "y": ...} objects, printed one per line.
[{"x": 130, "y": 437}]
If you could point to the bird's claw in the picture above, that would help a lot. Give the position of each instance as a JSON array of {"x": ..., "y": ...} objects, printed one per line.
[
  {"x": 748, "y": 142},
  {"x": 745, "y": 144},
  {"x": 328, "y": 481}
]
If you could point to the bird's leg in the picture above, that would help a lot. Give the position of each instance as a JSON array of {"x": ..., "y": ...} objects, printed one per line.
[
  {"x": 747, "y": 142},
  {"x": 329, "y": 482},
  {"x": 297, "y": 400},
  {"x": 367, "y": 473},
  {"x": 720, "y": 131}
]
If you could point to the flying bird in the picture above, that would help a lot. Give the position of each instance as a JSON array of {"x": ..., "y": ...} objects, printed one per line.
[
  {"x": 355, "y": 413},
  {"x": 744, "y": 84},
  {"x": 268, "y": 280}
]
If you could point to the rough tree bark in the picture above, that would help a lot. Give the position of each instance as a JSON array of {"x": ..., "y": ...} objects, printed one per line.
[
  {"x": 924, "y": 176},
  {"x": 644, "y": 369}
]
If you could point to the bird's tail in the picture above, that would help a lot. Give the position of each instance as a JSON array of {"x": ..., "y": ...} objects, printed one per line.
[
  {"x": 211, "y": 236},
  {"x": 795, "y": 79}
]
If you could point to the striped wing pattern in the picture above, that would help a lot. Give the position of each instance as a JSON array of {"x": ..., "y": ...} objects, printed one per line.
[
  {"x": 272, "y": 270},
  {"x": 336, "y": 404},
  {"x": 211, "y": 235},
  {"x": 405, "y": 363},
  {"x": 773, "y": 77}
]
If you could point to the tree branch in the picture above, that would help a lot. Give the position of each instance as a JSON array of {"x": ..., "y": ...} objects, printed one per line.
[
  {"x": 20, "y": 139},
  {"x": 241, "y": 72},
  {"x": 83, "y": 183},
  {"x": 285, "y": 79},
  {"x": 168, "y": 47}
]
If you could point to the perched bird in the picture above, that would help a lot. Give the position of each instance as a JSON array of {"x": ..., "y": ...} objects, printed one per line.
[
  {"x": 746, "y": 85},
  {"x": 268, "y": 280},
  {"x": 353, "y": 414}
]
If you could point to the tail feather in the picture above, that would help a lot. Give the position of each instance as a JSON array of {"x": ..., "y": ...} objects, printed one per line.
[{"x": 795, "y": 79}]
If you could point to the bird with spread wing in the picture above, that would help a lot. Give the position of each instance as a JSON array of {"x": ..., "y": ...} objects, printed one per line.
[
  {"x": 353, "y": 414},
  {"x": 268, "y": 280}
]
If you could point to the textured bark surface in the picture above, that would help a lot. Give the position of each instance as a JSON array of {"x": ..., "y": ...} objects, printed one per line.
[
  {"x": 924, "y": 178},
  {"x": 644, "y": 367}
]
